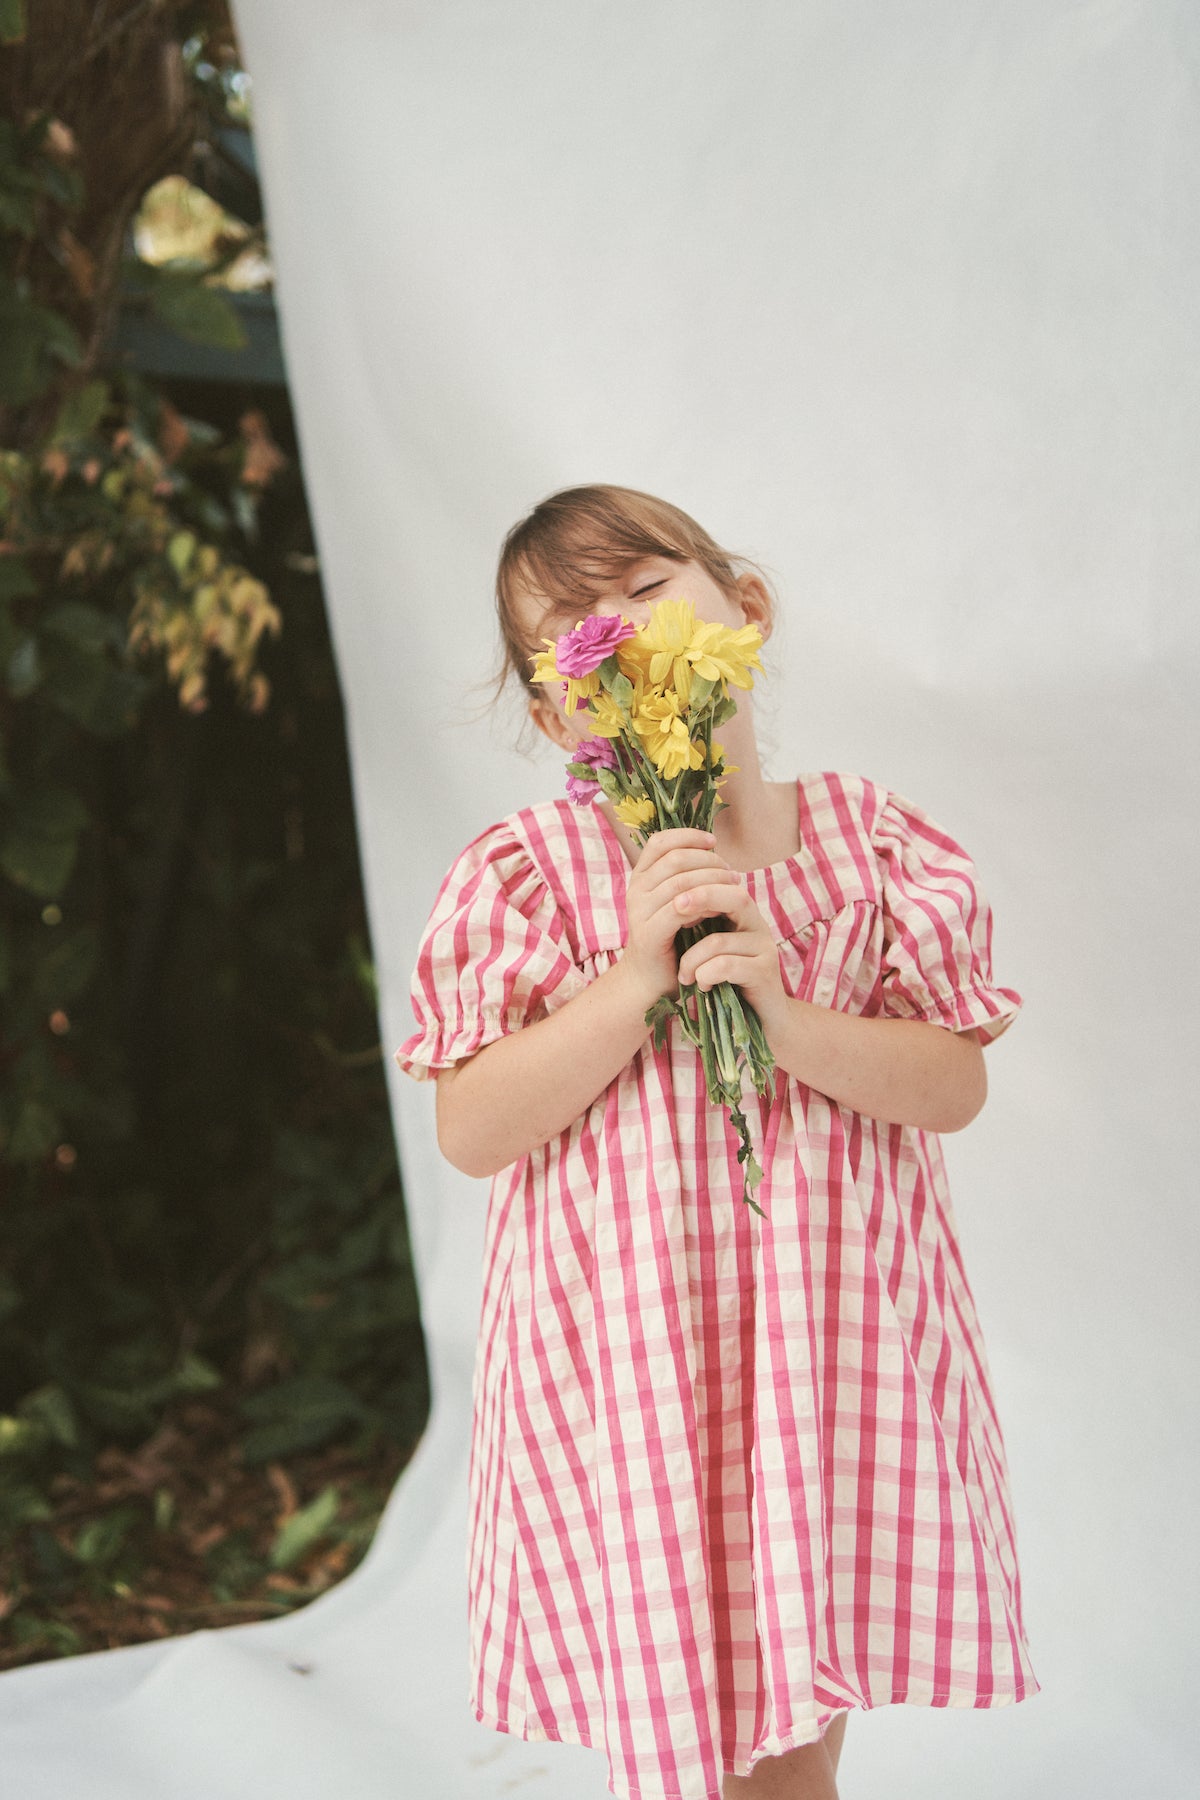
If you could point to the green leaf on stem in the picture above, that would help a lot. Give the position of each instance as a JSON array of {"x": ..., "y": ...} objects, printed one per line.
[{"x": 659, "y": 1016}]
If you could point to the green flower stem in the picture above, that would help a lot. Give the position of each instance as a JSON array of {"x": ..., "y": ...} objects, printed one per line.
[
  {"x": 726, "y": 1031},
  {"x": 649, "y": 775},
  {"x": 727, "y": 1061},
  {"x": 709, "y": 793}
]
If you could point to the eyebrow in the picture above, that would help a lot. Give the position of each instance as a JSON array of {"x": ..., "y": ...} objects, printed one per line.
[
  {"x": 562, "y": 609},
  {"x": 635, "y": 562}
]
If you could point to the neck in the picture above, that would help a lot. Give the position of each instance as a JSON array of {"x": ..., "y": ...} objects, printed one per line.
[{"x": 748, "y": 813}]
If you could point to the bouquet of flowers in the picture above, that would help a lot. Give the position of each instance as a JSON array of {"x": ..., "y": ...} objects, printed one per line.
[{"x": 656, "y": 694}]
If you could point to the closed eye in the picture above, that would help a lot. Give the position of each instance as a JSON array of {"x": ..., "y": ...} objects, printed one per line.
[{"x": 646, "y": 590}]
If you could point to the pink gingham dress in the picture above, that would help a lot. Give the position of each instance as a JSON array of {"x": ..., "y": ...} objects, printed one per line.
[{"x": 729, "y": 1476}]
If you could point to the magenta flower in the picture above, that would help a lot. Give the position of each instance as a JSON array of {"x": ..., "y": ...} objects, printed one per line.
[
  {"x": 597, "y": 753},
  {"x": 582, "y": 793},
  {"x": 581, "y": 651}
]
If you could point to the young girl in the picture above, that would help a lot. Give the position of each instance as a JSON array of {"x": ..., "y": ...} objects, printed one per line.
[{"x": 730, "y": 1476}]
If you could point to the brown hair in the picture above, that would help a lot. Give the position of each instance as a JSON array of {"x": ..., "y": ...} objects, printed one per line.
[{"x": 574, "y": 542}]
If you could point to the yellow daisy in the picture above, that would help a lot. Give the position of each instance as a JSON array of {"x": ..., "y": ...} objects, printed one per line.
[
  {"x": 607, "y": 721},
  {"x": 664, "y": 733},
  {"x": 664, "y": 644},
  {"x": 717, "y": 653},
  {"x": 675, "y": 646},
  {"x": 633, "y": 812}
]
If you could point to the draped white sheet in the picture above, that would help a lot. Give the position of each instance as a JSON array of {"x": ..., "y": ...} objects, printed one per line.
[{"x": 903, "y": 302}]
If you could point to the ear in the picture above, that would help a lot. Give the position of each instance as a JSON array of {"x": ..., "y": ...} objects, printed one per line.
[
  {"x": 756, "y": 604},
  {"x": 550, "y": 722}
]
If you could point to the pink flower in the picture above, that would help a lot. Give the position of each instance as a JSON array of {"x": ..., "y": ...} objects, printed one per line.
[
  {"x": 597, "y": 753},
  {"x": 581, "y": 651},
  {"x": 582, "y": 793}
]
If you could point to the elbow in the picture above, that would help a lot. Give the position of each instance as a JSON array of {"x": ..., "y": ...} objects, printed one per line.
[
  {"x": 956, "y": 1121},
  {"x": 455, "y": 1144},
  {"x": 475, "y": 1130},
  {"x": 466, "y": 1165},
  {"x": 461, "y": 1155},
  {"x": 970, "y": 1092}
]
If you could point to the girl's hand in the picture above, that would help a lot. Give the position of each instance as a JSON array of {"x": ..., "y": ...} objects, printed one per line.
[
  {"x": 674, "y": 863},
  {"x": 747, "y": 955}
]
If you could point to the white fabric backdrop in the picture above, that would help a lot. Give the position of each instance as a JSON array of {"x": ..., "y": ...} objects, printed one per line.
[{"x": 903, "y": 302}]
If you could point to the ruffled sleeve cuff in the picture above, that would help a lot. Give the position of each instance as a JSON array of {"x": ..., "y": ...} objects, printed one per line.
[
  {"x": 494, "y": 956},
  {"x": 443, "y": 1043},
  {"x": 988, "y": 1010},
  {"x": 937, "y": 951}
]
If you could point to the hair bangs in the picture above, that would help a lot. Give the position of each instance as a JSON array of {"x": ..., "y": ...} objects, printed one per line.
[{"x": 575, "y": 544}]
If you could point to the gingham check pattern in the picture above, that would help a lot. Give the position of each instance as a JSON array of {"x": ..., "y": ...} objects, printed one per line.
[{"x": 728, "y": 1476}]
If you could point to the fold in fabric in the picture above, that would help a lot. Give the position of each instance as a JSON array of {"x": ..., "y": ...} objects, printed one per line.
[{"x": 729, "y": 1476}]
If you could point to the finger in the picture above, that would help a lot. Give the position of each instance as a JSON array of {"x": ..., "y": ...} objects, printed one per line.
[
  {"x": 662, "y": 843},
  {"x": 737, "y": 970},
  {"x": 721, "y": 896},
  {"x": 697, "y": 878},
  {"x": 682, "y": 869},
  {"x": 660, "y": 902},
  {"x": 659, "y": 914},
  {"x": 724, "y": 956}
]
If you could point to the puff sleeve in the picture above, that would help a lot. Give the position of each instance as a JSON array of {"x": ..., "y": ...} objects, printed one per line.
[
  {"x": 493, "y": 956},
  {"x": 937, "y": 924}
]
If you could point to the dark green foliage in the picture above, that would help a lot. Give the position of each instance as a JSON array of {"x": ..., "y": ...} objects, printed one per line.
[
  {"x": 232, "y": 1177},
  {"x": 181, "y": 300},
  {"x": 199, "y": 1177}
]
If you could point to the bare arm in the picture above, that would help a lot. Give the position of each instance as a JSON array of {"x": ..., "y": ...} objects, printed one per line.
[
  {"x": 903, "y": 1071},
  {"x": 520, "y": 1091}
]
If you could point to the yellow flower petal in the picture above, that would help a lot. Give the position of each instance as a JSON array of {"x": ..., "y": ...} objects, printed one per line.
[
  {"x": 663, "y": 730},
  {"x": 633, "y": 659},
  {"x": 675, "y": 645},
  {"x": 676, "y": 757},
  {"x": 582, "y": 687},
  {"x": 544, "y": 666},
  {"x": 633, "y": 812},
  {"x": 607, "y": 720}
]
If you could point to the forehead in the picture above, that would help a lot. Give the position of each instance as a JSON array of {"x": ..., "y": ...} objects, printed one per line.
[{"x": 537, "y": 609}]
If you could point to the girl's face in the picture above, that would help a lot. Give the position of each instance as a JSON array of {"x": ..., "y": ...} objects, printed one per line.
[{"x": 632, "y": 595}]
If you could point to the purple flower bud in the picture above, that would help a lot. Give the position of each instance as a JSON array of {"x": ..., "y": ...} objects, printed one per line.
[
  {"x": 599, "y": 752},
  {"x": 582, "y": 793}
]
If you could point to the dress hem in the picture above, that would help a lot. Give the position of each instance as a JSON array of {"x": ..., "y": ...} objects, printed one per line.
[{"x": 534, "y": 1733}]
